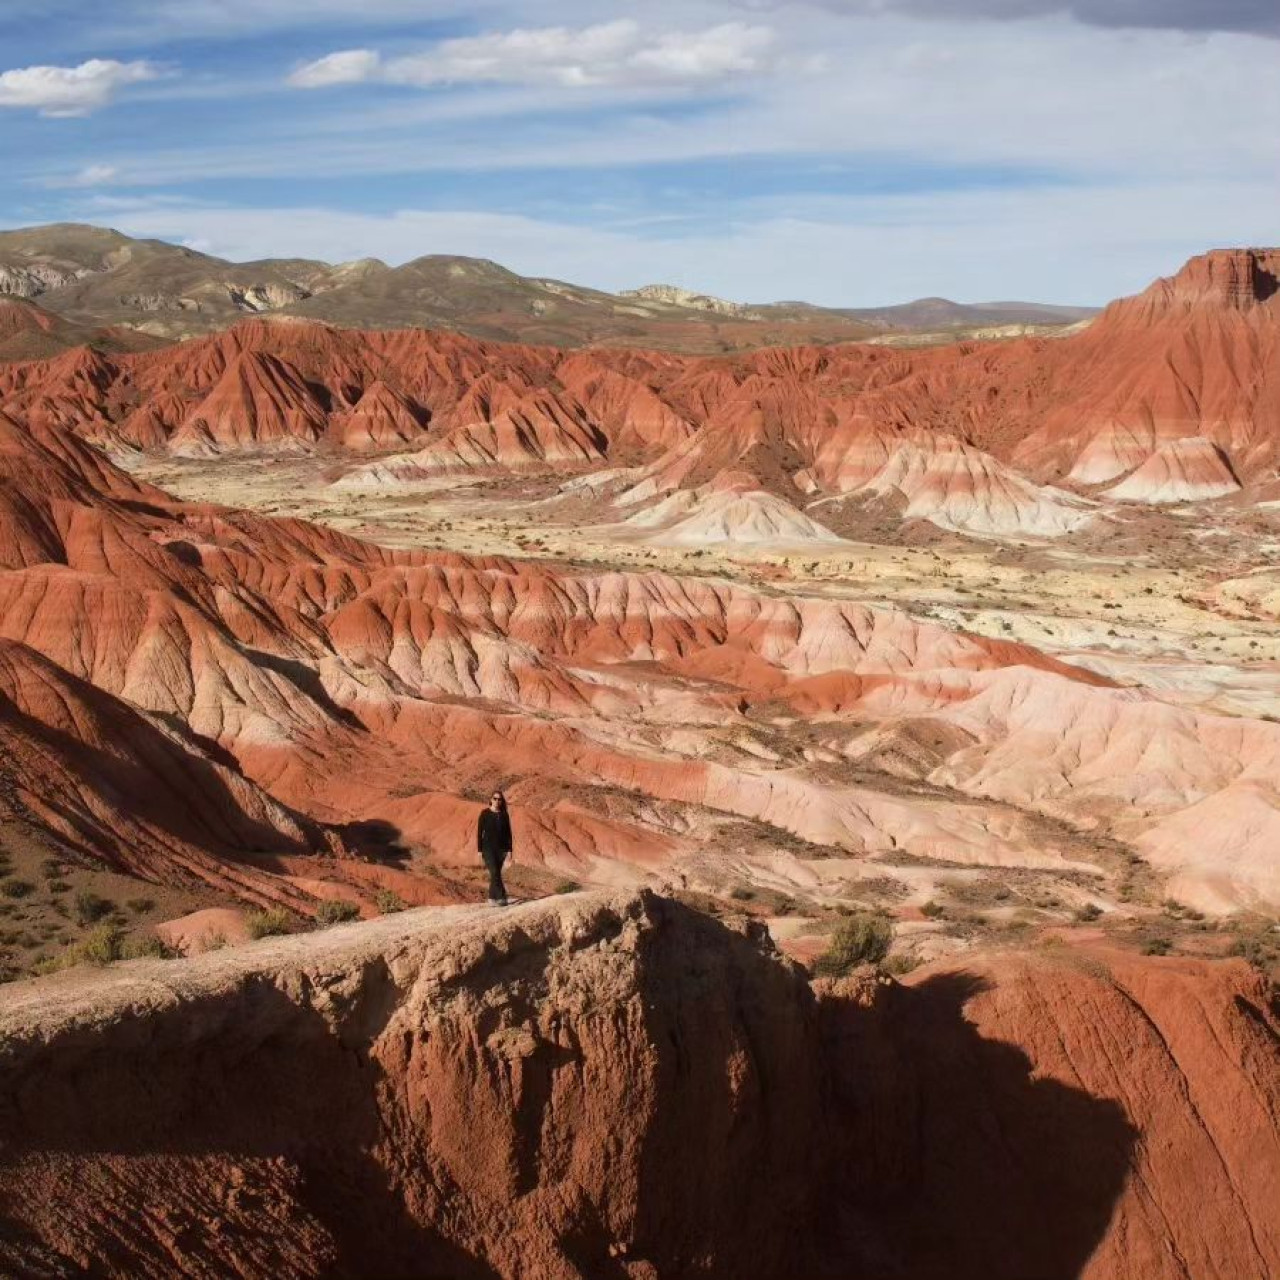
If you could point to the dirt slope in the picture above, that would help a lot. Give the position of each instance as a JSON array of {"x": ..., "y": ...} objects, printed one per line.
[{"x": 619, "y": 1087}]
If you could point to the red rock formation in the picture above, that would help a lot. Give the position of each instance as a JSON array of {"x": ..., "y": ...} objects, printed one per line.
[
  {"x": 595, "y": 1087},
  {"x": 382, "y": 418},
  {"x": 979, "y": 428},
  {"x": 357, "y": 684}
]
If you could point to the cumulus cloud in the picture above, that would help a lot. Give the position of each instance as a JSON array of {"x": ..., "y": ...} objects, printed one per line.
[
  {"x": 609, "y": 53},
  {"x": 71, "y": 91},
  {"x": 1257, "y": 17}
]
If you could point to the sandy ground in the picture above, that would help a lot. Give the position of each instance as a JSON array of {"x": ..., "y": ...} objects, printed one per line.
[{"x": 1129, "y": 613}]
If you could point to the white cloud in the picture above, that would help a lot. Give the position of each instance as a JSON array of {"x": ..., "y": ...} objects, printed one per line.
[
  {"x": 71, "y": 91},
  {"x": 349, "y": 66},
  {"x": 95, "y": 175},
  {"x": 609, "y": 53}
]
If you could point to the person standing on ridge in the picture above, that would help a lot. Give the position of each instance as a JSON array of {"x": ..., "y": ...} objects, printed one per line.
[{"x": 493, "y": 844}]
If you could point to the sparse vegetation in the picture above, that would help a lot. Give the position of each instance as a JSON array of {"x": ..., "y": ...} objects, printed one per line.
[
  {"x": 933, "y": 910},
  {"x": 140, "y": 906},
  {"x": 147, "y": 945},
  {"x": 1089, "y": 913},
  {"x": 902, "y": 963},
  {"x": 1260, "y": 947},
  {"x": 90, "y": 907},
  {"x": 860, "y": 939},
  {"x": 270, "y": 923},
  {"x": 388, "y": 902},
  {"x": 14, "y": 888},
  {"x": 1159, "y": 946},
  {"x": 337, "y": 911},
  {"x": 568, "y": 886},
  {"x": 100, "y": 946},
  {"x": 739, "y": 894}
]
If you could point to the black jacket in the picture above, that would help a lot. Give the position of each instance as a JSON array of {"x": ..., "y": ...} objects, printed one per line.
[{"x": 493, "y": 832}]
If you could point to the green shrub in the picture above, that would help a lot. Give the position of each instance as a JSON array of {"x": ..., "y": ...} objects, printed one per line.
[
  {"x": 269, "y": 923},
  {"x": 864, "y": 938},
  {"x": 17, "y": 888},
  {"x": 90, "y": 908},
  {"x": 147, "y": 945},
  {"x": 337, "y": 911},
  {"x": 103, "y": 945},
  {"x": 568, "y": 886},
  {"x": 902, "y": 963},
  {"x": 388, "y": 901}
]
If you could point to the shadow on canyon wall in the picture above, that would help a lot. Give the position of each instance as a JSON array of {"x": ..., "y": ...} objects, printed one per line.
[{"x": 779, "y": 1133}]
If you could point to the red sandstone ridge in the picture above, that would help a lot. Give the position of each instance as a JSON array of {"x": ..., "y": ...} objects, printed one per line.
[
  {"x": 972, "y": 437},
  {"x": 346, "y": 683},
  {"x": 620, "y": 1087},
  {"x": 1226, "y": 279}
]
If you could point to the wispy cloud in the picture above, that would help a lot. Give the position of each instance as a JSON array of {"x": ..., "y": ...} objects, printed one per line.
[
  {"x": 607, "y": 54},
  {"x": 1259, "y": 17},
  {"x": 71, "y": 91}
]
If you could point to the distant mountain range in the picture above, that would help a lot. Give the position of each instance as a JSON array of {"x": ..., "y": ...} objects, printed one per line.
[{"x": 93, "y": 284}]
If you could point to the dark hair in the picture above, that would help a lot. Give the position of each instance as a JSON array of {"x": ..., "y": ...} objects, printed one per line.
[{"x": 502, "y": 799}]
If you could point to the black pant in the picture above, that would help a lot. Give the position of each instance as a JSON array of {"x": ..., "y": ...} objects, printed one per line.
[{"x": 494, "y": 861}]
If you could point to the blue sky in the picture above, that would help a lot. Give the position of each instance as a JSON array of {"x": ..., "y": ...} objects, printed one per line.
[{"x": 848, "y": 152}]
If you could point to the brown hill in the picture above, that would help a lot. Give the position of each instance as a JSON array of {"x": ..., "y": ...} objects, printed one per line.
[{"x": 96, "y": 277}]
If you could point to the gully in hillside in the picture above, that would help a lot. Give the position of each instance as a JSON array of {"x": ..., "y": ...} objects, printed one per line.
[{"x": 493, "y": 844}]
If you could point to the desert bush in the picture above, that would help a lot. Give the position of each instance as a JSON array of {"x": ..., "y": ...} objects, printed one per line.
[
  {"x": 1089, "y": 912},
  {"x": 17, "y": 888},
  {"x": 933, "y": 910},
  {"x": 1256, "y": 950},
  {"x": 902, "y": 963},
  {"x": 336, "y": 911},
  {"x": 148, "y": 946},
  {"x": 90, "y": 908},
  {"x": 103, "y": 945},
  {"x": 51, "y": 869},
  {"x": 568, "y": 886},
  {"x": 1157, "y": 947},
  {"x": 271, "y": 922},
  {"x": 739, "y": 894},
  {"x": 864, "y": 938},
  {"x": 140, "y": 906},
  {"x": 58, "y": 886},
  {"x": 388, "y": 902}
]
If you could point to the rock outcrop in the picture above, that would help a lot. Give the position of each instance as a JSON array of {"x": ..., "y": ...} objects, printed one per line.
[{"x": 619, "y": 1087}]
